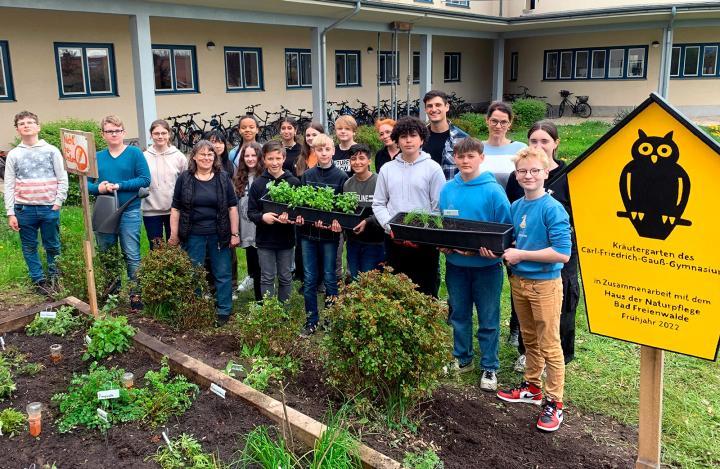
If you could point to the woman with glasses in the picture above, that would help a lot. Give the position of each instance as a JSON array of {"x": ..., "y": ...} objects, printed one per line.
[
  {"x": 166, "y": 163},
  {"x": 204, "y": 218},
  {"x": 499, "y": 149}
]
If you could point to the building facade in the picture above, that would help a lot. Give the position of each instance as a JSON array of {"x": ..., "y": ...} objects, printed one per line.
[{"x": 143, "y": 59}]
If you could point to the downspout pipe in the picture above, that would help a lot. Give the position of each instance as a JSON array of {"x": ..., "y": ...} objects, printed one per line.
[
  {"x": 666, "y": 57},
  {"x": 323, "y": 60}
]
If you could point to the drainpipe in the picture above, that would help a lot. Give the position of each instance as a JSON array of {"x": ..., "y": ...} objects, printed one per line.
[
  {"x": 323, "y": 59},
  {"x": 666, "y": 57}
]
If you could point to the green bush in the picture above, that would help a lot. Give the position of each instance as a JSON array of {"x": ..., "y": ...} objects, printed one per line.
[
  {"x": 65, "y": 322},
  {"x": 473, "y": 123},
  {"x": 108, "y": 335},
  {"x": 368, "y": 135},
  {"x": 11, "y": 422},
  {"x": 527, "y": 112},
  {"x": 270, "y": 327},
  {"x": 173, "y": 289},
  {"x": 7, "y": 385},
  {"x": 386, "y": 337},
  {"x": 50, "y": 132}
]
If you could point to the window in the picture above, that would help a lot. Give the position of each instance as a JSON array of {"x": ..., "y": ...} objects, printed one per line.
[
  {"x": 566, "y": 65},
  {"x": 616, "y": 63},
  {"x": 416, "y": 67},
  {"x": 175, "y": 69},
  {"x": 458, "y": 3},
  {"x": 695, "y": 61},
  {"x": 581, "y": 64},
  {"x": 636, "y": 62},
  {"x": 551, "y": 65},
  {"x": 389, "y": 73},
  {"x": 243, "y": 68},
  {"x": 85, "y": 70},
  {"x": 452, "y": 66},
  {"x": 298, "y": 68},
  {"x": 710, "y": 55},
  {"x": 347, "y": 68},
  {"x": 513, "y": 66},
  {"x": 7, "y": 92},
  {"x": 598, "y": 64}
]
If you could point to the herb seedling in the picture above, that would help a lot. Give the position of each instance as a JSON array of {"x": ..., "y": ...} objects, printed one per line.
[
  {"x": 347, "y": 202},
  {"x": 108, "y": 335}
]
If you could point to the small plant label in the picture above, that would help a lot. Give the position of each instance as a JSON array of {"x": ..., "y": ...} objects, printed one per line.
[
  {"x": 102, "y": 415},
  {"x": 450, "y": 213},
  {"x": 217, "y": 390},
  {"x": 109, "y": 394},
  {"x": 236, "y": 367},
  {"x": 2, "y": 342},
  {"x": 48, "y": 314},
  {"x": 88, "y": 339}
]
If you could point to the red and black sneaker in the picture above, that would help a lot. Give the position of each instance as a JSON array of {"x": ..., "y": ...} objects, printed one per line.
[
  {"x": 524, "y": 392},
  {"x": 551, "y": 416}
]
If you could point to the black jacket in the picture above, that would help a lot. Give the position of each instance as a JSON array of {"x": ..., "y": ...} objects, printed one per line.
[
  {"x": 277, "y": 235},
  {"x": 323, "y": 177}
]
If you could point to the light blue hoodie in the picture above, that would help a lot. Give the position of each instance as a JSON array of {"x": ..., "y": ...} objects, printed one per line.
[{"x": 480, "y": 199}]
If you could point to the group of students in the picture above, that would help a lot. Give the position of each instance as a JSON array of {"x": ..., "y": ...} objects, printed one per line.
[{"x": 211, "y": 203}]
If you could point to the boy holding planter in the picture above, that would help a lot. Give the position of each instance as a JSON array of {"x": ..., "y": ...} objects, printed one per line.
[
  {"x": 319, "y": 242},
  {"x": 542, "y": 246},
  {"x": 473, "y": 194}
]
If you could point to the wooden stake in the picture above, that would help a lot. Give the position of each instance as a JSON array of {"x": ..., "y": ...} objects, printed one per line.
[
  {"x": 651, "y": 395},
  {"x": 88, "y": 247}
]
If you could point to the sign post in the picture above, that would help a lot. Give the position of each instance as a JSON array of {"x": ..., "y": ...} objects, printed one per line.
[
  {"x": 645, "y": 242},
  {"x": 78, "y": 149}
]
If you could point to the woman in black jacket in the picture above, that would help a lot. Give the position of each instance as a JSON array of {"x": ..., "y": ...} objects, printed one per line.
[{"x": 204, "y": 218}]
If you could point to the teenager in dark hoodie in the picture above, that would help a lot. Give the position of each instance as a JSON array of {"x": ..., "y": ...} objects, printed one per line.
[
  {"x": 274, "y": 234},
  {"x": 320, "y": 243}
]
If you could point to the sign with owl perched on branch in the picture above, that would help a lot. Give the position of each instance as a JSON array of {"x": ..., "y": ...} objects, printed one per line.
[{"x": 644, "y": 201}]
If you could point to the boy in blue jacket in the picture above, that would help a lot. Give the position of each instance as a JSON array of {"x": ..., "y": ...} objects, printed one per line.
[
  {"x": 542, "y": 246},
  {"x": 473, "y": 194}
]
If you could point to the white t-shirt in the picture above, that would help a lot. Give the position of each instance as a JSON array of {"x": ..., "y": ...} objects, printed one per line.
[{"x": 498, "y": 160}]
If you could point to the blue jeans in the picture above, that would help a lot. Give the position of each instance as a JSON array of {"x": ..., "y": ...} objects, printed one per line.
[
  {"x": 364, "y": 257},
  {"x": 32, "y": 218},
  {"x": 155, "y": 226},
  {"x": 200, "y": 247},
  {"x": 317, "y": 253},
  {"x": 129, "y": 236},
  {"x": 480, "y": 286}
]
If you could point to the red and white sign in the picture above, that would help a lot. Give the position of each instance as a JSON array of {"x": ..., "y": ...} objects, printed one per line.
[{"x": 78, "y": 150}]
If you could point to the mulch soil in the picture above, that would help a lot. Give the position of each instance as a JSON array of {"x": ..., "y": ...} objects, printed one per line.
[
  {"x": 465, "y": 426},
  {"x": 220, "y": 424}
]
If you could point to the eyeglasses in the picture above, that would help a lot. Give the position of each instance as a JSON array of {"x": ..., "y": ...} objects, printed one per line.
[
  {"x": 532, "y": 171},
  {"x": 206, "y": 155},
  {"x": 160, "y": 134},
  {"x": 113, "y": 132},
  {"x": 496, "y": 123}
]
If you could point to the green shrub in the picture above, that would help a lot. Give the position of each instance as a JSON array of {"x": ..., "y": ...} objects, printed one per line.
[
  {"x": 185, "y": 452},
  {"x": 269, "y": 327},
  {"x": 386, "y": 337},
  {"x": 65, "y": 322},
  {"x": 164, "y": 396},
  {"x": 473, "y": 123},
  {"x": 108, "y": 335},
  {"x": 527, "y": 112},
  {"x": 173, "y": 289},
  {"x": 11, "y": 422},
  {"x": 7, "y": 385},
  {"x": 368, "y": 135}
]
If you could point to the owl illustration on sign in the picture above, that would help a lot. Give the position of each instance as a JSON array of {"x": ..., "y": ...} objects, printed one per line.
[{"x": 654, "y": 188}]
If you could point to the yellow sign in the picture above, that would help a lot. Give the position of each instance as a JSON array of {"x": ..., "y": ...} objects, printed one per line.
[
  {"x": 644, "y": 201},
  {"x": 78, "y": 150}
]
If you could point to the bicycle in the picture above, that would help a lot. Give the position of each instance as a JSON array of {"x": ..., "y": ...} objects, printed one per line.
[{"x": 580, "y": 107}]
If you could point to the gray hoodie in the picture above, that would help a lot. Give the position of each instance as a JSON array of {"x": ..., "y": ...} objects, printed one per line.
[
  {"x": 403, "y": 187},
  {"x": 165, "y": 168}
]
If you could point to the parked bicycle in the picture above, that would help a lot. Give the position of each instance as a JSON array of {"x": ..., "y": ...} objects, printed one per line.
[{"x": 580, "y": 107}]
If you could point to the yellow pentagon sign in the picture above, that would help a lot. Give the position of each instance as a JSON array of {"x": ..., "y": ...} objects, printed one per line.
[{"x": 645, "y": 200}]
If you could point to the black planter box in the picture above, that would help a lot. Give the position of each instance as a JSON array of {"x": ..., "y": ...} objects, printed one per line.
[
  {"x": 346, "y": 220},
  {"x": 276, "y": 207},
  {"x": 456, "y": 233}
]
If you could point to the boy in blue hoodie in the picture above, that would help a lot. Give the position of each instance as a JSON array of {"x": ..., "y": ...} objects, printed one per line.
[
  {"x": 542, "y": 246},
  {"x": 473, "y": 194}
]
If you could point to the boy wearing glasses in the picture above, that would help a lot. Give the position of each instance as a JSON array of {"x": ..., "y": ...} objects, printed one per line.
[
  {"x": 122, "y": 169},
  {"x": 36, "y": 185},
  {"x": 542, "y": 246}
]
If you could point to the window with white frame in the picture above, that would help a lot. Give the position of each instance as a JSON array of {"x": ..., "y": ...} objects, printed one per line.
[
  {"x": 616, "y": 63},
  {"x": 298, "y": 68},
  {"x": 85, "y": 70},
  {"x": 243, "y": 68},
  {"x": 636, "y": 62},
  {"x": 695, "y": 61},
  {"x": 416, "y": 67},
  {"x": 347, "y": 68},
  {"x": 566, "y": 65},
  {"x": 452, "y": 66},
  {"x": 710, "y": 57},
  {"x": 458, "y": 3},
  {"x": 581, "y": 64},
  {"x": 692, "y": 61},
  {"x": 389, "y": 67},
  {"x": 598, "y": 64},
  {"x": 7, "y": 92},
  {"x": 551, "y": 65},
  {"x": 175, "y": 68}
]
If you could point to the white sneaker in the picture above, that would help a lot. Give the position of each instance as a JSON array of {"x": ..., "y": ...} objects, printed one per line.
[
  {"x": 247, "y": 284},
  {"x": 488, "y": 382},
  {"x": 520, "y": 364}
]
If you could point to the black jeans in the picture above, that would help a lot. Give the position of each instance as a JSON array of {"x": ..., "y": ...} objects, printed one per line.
[
  {"x": 157, "y": 227},
  {"x": 253, "y": 269},
  {"x": 420, "y": 264}
]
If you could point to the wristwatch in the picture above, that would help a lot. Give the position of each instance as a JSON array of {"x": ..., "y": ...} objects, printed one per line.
[{"x": 236, "y": 234}]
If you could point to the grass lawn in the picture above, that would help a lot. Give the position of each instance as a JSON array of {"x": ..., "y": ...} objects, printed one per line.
[{"x": 604, "y": 377}]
